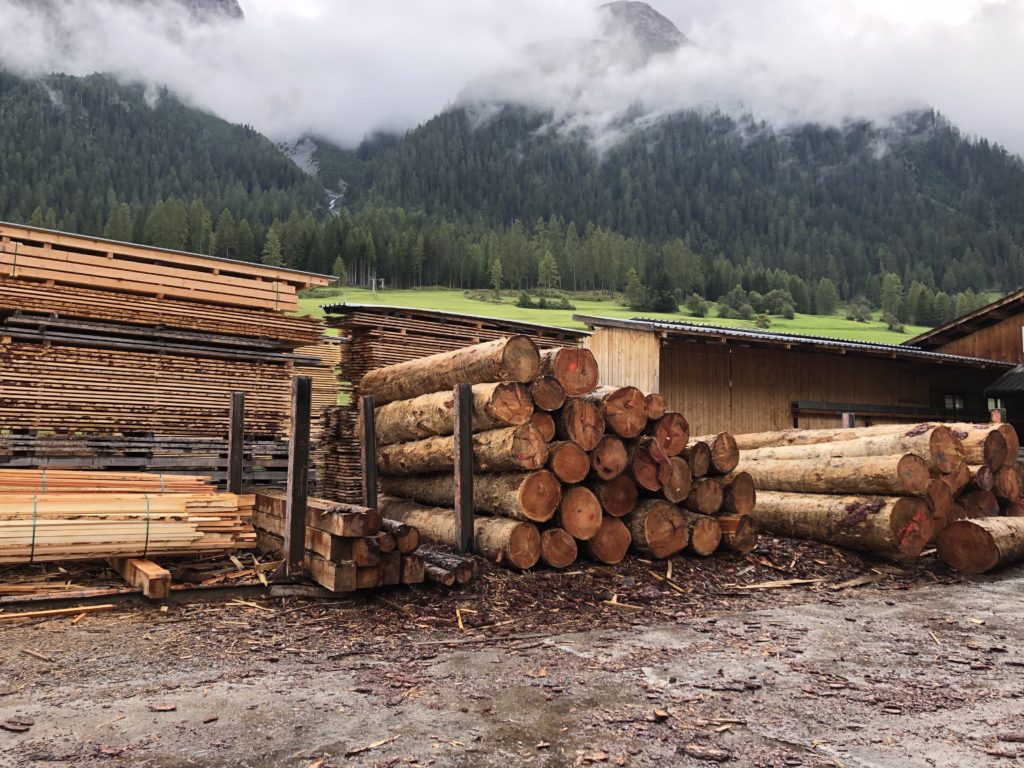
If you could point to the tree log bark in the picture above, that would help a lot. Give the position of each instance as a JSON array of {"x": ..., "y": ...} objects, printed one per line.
[
  {"x": 407, "y": 537},
  {"x": 580, "y": 422},
  {"x": 649, "y": 464},
  {"x": 655, "y": 406},
  {"x": 494, "y": 406},
  {"x": 611, "y": 543},
  {"x": 463, "y": 568},
  {"x": 897, "y": 527},
  {"x": 866, "y": 475},
  {"x": 617, "y": 496},
  {"x": 706, "y": 496},
  {"x": 739, "y": 533},
  {"x": 977, "y": 546},
  {"x": 579, "y": 513},
  {"x": 739, "y": 493},
  {"x": 658, "y": 528},
  {"x": 511, "y": 359},
  {"x": 671, "y": 431},
  {"x": 574, "y": 368},
  {"x": 679, "y": 483},
  {"x": 704, "y": 532},
  {"x": 557, "y": 548},
  {"x": 438, "y": 575},
  {"x": 511, "y": 449},
  {"x": 531, "y": 496},
  {"x": 547, "y": 393},
  {"x": 936, "y": 445},
  {"x": 545, "y": 424},
  {"x": 608, "y": 459},
  {"x": 624, "y": 409},
  {"x": 725, "y": 456},
  {"x": 698, "y": 456},
  {"x": 497, "y": 539},
  {"x": 568, "y": 461},
  {"x": 984, "y": 444},
  {"x": 1007, "y": 483}
]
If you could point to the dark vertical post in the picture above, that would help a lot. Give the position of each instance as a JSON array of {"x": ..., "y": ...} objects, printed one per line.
[
  {"x": 298, "y": 474},
  {"x": 464, "y": 533},
  {"x": 368, "y": 448},
  {"x": 236, "y": 442}
]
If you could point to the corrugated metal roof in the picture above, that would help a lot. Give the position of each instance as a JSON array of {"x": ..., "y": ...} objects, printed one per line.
[
  {"x": 990, "y": 314},
  {"x": 1010, "y": 382},
  {"x": 344, "y": 307},
  {"x": 700, "y": 330}
]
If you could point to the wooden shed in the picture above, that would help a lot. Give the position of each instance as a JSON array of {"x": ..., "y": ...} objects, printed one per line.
[{"x": 748, "y": 381}]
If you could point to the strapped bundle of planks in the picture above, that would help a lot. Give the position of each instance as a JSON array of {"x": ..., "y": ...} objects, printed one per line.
[
  {"x": 888, "y": 489},
  {"x": 347, "y": 547},
  {"x": 561, "y": 463},
  {"x": 48, "y": 516},
  {"x": 99, "y": 338}
]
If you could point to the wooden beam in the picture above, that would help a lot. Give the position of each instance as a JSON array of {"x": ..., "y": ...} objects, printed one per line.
[
  {"x": 298, "y": 475},
  {"x": 463, "y": 455},
  {"x": 152, "y": 579},
  {"x": 368, "y": 450},
  {"x": 236, "y": 442}
]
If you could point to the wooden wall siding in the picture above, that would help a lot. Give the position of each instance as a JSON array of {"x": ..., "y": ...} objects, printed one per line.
[
  {"x": 1002, "y": 341},
  {"x": 741, "y": 389},
  {"x": 627, "y": 357}
]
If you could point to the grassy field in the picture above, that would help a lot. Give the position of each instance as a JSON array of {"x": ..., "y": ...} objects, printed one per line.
[{"x": 836, "y": 326}]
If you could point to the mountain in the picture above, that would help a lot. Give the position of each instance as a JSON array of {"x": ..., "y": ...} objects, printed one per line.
[{"x": 640, "y": 25}]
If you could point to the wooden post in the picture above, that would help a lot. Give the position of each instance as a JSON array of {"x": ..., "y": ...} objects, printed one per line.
[
  {"x": 368, "y": 448},
  {"x": 298, "y": 475},
  {"x": 849, "y": 420},
  {"x": 464, "y": 467},
  {"x": 236, "y": 442}
]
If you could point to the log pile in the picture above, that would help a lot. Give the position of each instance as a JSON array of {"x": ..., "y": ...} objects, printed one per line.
[
  {"x": 890, "y": 490},
  {"x": 563, "y": 466},
  {"x": 347, "y": 547},
  {"x": 63, "y": 515}
]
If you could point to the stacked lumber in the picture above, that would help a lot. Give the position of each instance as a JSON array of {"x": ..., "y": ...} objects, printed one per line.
[
  {"x": 593, "y": 475},
  {"x": 890, "y": 489},
  {"x": 63, "y": 515},
  {"x": 347, "y": 547}
]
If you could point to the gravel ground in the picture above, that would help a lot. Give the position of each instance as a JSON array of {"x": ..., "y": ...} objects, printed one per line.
[{"x": 865, "y": 664}]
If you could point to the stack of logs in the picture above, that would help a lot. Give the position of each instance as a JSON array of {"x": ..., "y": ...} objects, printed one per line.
[
  {"x": 560, "y": 463},
  {"x": 893, "y": 489}
]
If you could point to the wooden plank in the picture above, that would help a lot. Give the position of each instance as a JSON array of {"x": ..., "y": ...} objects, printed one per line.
[
  {"x": 298, "y": 473},
  {"x": 152, "y": 579},
  {"x": 54, "y": 612},
  {"x": 236, "y": 442}
]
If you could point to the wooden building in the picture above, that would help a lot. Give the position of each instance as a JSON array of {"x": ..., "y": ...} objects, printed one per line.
[{"x": 747, "y": 381}]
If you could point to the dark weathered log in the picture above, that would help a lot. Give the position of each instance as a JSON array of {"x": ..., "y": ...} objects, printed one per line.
[
  {"x": 579, "y": 513},
  {"x": 705, "y": 496},
  {"x": 1007, "y": 483},
  {"x": 512, "y": 449},
  {"x": 739, "y": 493},
  {"x": 957, "y": 480},
  {"x": 704, "y": 532},
  {"x": 724, "y": 453},
  {"x": 464, "y": 568},
  {"x": 496, "y": 538},
  {"x": 979, "y": 504},
  {"x": 580, "y": 422},
  {"x": 897, "y": 527},
  {"x": 865, "y": 475},
  {"x": 649, "y": 465},
  {"x": 611, "y": 542},
  {"x": 984, "y": 444},
  {"x": 623, "y": 409},
  {"x": 657, "y": 528},
  {"x": 545, "y": 424},
  {"x": 739, "y": 533},
  {"x": 512, "y": 359},
  {"x": 671, "y": 431},
  {"x": 940, "y": 503},
  {"x": 547, "y": 393},
  {"x": 679, "y": 483},
  {"x": 557, "y": 548},
  {"x": 407, "y": 537},
  {"x": 655, "y": 406},
  {"x": 532, "y": 496},
  {"x": 617, "y": 496},
  {"x": 574, "y": 368},
  {"x": 568, "y": 461},
  {"x": 494, "y": 406},
  {"x": 982, "y": 478},
  {"x": 1013, "y": 508},
  {"x": 438, "y": 575},
  {"x": 608, "y": 459},
  {"x": 698, "y": 456},
  {"x": 977, "y": 546}
]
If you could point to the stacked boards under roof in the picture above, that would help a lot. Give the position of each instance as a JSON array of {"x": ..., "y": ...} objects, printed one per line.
[{"x": 100, "y": 338}]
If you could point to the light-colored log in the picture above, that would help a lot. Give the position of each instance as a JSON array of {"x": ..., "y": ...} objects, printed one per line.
[
  {"x": 531, "y": 496},
  {"x": 513, "y": 449},
  {"x": 623, "y": 409},
  {"x": 862, "y": 475},
  {"x": 574, "y": 368},
  {"x": 655, "y": 406}
]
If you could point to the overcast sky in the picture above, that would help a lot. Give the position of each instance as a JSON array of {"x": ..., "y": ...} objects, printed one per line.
[{"x": 342, "y": 68}]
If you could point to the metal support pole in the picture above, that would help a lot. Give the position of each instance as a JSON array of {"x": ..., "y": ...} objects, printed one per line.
[
  {"x": 236, "y": 442},
  {"x": 463, "y": 457},
  {"x": 368, "y": 448},
  {"x": 298, "y": 475}
]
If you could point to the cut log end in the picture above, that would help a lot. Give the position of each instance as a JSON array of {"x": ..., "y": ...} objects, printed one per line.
[
  {"x": 740, "y": 496},
  {"x": 913, "y": 474},
  {"x": 520, "y": 359},
  {"x": 947, "y": 452},
  {"x": 671, "y": 431},
  {"x": 705, "y": 534},
  {"x": 739, "y": 533},
  {"x": 544, "y": 424},
  {"x": 655, "y": 406},
  {"x": 624, "y": 409},
  {"x": 658, "y": 528},
  {"x": 705, "y": 497},
  {"x": 618, "y": 496},
  {"x": 547, "y": 393},
  {"x": 680, "y": 482},
  {"x": 582, "y": 423},
  {"x": 609, "y": 458},
  {"x": 911, "y": 526},
  {"x": 568, "y": 461},
  {"x": 510, "y": 404},
  {"x": 579, "y": 513},
  {"x": 523, "y": 549},
  {"x": 539, "y": 495},
  {"x": 611, "y": 543},
  {"x": 698, "y": 456},
  {"x": 557, "y": 548},
  {"x": 574, "y": 368},
  {"x": 968, "y": 547}
]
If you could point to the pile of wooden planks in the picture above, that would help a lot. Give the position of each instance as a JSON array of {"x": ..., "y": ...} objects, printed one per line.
[
  {"x": 63, "y": 515},
  {"x": 888, "y": 489},
  {"x": 347, "y": 547},
  {"x": 562, "y": 464}
]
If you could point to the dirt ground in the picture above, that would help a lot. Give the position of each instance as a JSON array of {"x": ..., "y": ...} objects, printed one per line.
[{"x": 863, "y": 665}]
